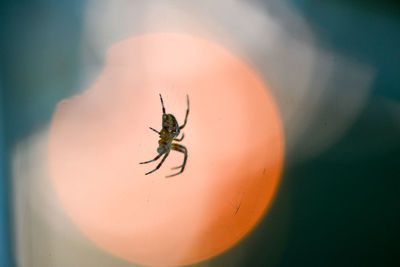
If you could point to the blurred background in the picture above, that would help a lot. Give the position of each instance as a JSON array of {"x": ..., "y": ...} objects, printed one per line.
[{"x": 333, "y": 67}]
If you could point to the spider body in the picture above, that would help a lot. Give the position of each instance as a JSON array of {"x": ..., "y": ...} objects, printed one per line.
[{"x": 170, "y": 130}]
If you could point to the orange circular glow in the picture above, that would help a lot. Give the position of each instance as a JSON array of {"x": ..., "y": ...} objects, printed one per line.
[{"x": 234, "y": 139}]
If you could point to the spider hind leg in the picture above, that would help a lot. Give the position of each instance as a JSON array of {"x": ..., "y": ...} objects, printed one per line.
[
  {"x": 159, "y": 164},
  {"x": 156, "y": 158},
  {"x": 182, "y": 149},
  {"x": 180, "y": 139}
]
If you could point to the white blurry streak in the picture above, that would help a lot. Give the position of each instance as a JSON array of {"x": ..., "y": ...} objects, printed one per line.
[
  {"x": 29, "y": 200},
  {"x": 319, "y": 93},
  {"x": 44, "y": 236},
  {"x": 336, "y": 95}
]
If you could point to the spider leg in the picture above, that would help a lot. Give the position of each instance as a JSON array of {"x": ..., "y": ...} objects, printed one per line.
[
  {"x": 179, "y": 148},
  {"x": 162, "y": 104},
  {"x": 154, "y": 130},
  {"x": 156, "y": 158},
  {"x": 159, "y": 164},
  {"x": 176, "y": 139},
  {"x": 187, "y": 113}
]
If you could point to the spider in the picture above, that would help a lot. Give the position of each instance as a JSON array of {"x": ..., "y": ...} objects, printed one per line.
[{"x": 170, "y": 130}]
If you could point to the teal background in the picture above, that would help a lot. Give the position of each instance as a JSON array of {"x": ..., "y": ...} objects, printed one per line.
[
  {"x": 39, "y": 43},
  {"x": 338, "y": 209}
]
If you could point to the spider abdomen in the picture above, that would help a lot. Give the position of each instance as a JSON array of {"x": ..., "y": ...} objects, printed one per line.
[{"x": 170, "y": 125}]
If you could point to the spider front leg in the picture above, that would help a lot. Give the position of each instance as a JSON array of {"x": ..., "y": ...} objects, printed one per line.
[
  {"x": 162, "y": 104},
  {"x": 179, "y": 148},
  {"x": 155, "y": 130},
  {"x": 187, "y": 113}
]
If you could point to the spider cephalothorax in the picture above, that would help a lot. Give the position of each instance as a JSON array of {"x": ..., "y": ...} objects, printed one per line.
[{"x": 170, "y": 130}]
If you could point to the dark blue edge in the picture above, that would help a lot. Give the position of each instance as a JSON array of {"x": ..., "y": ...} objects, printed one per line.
[{"x": 6, "y": 258}]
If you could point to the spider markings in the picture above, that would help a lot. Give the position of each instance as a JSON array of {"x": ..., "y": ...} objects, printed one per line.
[{"x": 170, "y": 130}]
